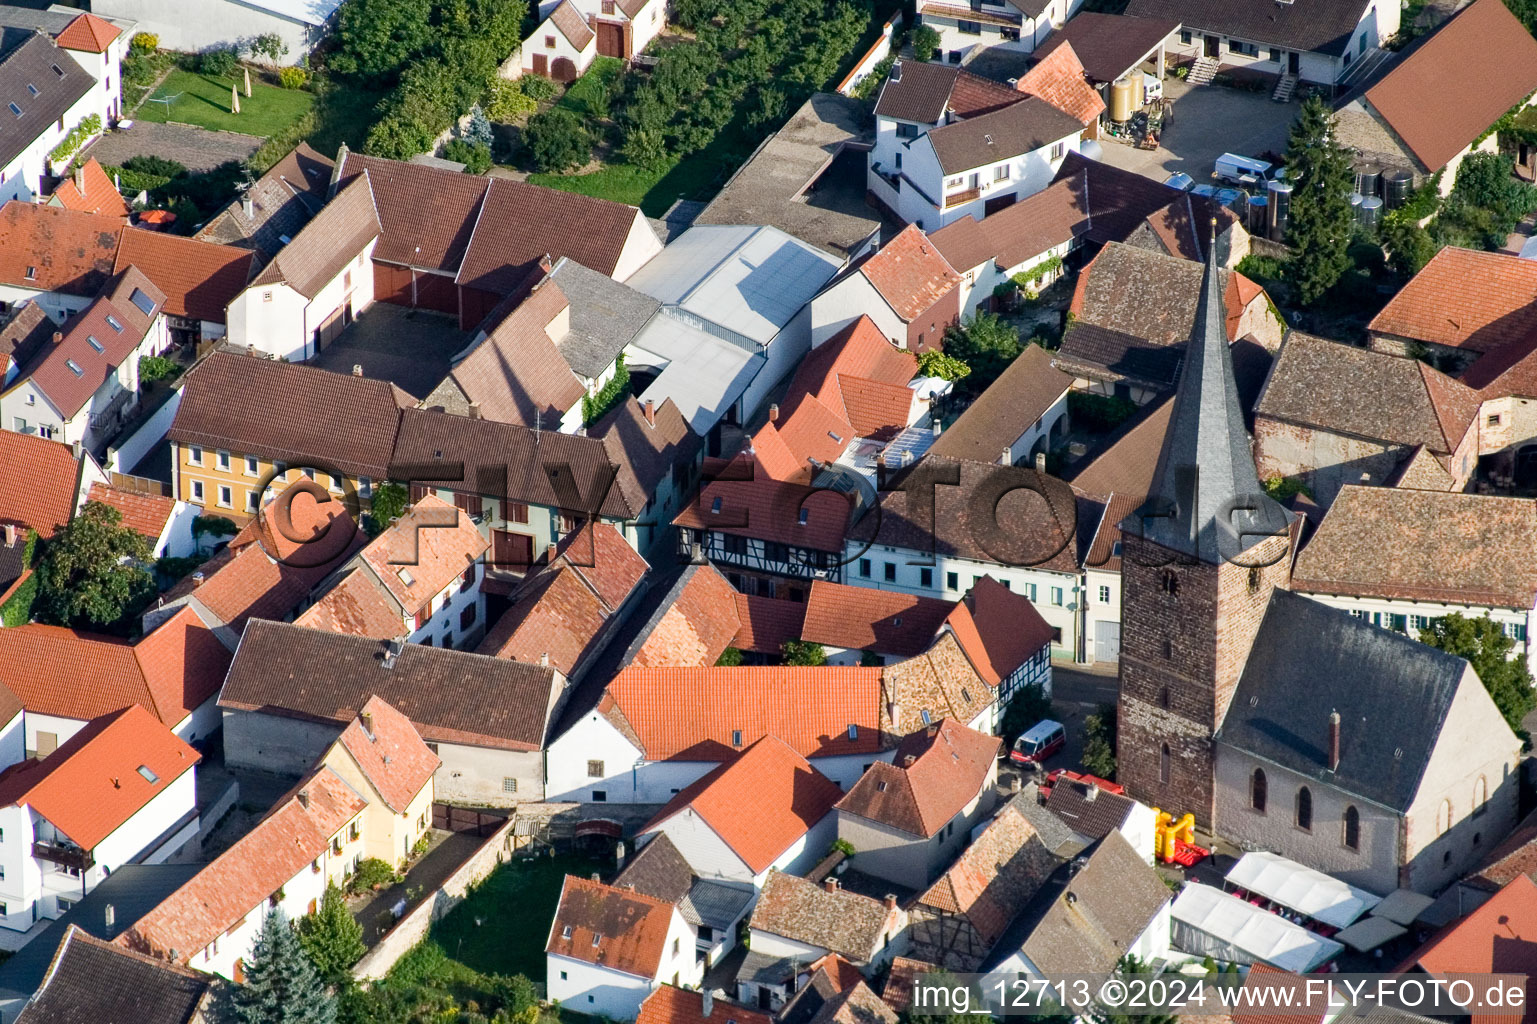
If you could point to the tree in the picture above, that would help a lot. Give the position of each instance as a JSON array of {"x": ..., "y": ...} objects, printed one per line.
[
  {"x": 935, "y": 363},
  {"x": 269, "y": 45},
  {"x": 1099, "y": 734},
  {"x": 478, "y": 130},
  {"x": 377, "y": 37},
  {"x": 91, "y": 573},
  {"x": 1112, "y": 1014},
  {"x": 557, "y": 140},
  {"x": 925, "y": 42},
  {"x": 987, "y": 344},
  {"x": 475, "y": 156},
  {"x": 971, "y": 1011},
  {"x": 389, "y": 504},
  {"x": 729, "y": 658},
  {"x": 1409, "y": 246},
  {"x": 1320, "y": 220},
  {"x": 803, "y": 652},
  {"x": 332, "y": 938},
  {"x": 1486, "y": 647},
  {"x": 282, "y": 985}
]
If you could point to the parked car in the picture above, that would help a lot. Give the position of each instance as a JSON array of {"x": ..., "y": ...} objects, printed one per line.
[
  {"x": 1039, "y": 742},
  {"x": 1181, "y": 181}
]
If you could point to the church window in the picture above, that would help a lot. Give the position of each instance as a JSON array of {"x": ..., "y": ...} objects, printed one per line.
[
  {"x": 1480, "y": 795},
  {"x": 1168, "y": 650},
  {"x": 1163, "y": 697},
  {"x": 1254, "y": 579},
  {"x": 1170, "y": 582},
  {"x": 1352, "y": 829},
  {"x": 1163, "y": 764},
  {"x": 1257, "y": 790},
  {"x": 1305, "y": 809}
]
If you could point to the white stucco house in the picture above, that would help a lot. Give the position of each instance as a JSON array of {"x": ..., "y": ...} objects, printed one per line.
[
  {"x": 121, "y": 790},
  {"x": 197, "y": 25},
  {"x": 1020, "y": 25},
  {"x": 609, "y": 949},
  {"x": 563, "y": 45},
  {"x": 623, "y": 27}
]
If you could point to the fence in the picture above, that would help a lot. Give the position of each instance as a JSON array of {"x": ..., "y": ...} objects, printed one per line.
[{"x": 872, "y": 57}]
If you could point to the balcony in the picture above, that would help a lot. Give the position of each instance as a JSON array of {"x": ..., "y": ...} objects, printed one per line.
[
  {"x": 1002, "y": 17},
  {"x": 962, "y": 198},
  {"x": 65, "y": 855}
]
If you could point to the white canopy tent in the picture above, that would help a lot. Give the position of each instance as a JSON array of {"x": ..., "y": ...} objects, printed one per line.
[
  {"x": 1304, "y": 890},
  {"x": 1209, "y": 922}
]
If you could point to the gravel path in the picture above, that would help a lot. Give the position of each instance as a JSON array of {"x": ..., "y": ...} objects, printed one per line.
[{"x": 197, "y": 149}]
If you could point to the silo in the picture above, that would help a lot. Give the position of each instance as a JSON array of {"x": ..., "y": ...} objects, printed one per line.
[
  {"x": 1259, "y": 214},
  {"x": 1369, "y": 213},
  {"x": 1280, "y": 209},
  {"x": 1369, "y": 180},
  {"x": 1396, "y": 186},
  {"x": 1121, "y": 100}
]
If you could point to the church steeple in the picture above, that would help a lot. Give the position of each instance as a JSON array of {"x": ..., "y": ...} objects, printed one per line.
[{"x": 1206, "y": 501}]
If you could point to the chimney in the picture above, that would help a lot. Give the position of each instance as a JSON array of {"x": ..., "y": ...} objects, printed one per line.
[
  {"x": 392, "y": 651},
  {"x": 651, "y": 412},
  {"x": 366, "y": 720},
  {"x": 1003, "y": 458},
  {"x": 908, "y": 759},
  {"x": 80, "y": 179},
  {"x": 595, "y": 877},
  {"x": 304, "y": 798},
  {"x": 250, "y": 349},
  {"x": 474, "y": 410},
  {"x": 197, "y": 579},
  {"x": 58, "y": 337},
  {"x": 111, "y": 918},
  {"x": 1040, "y": 462},
  {"x": 706, "y": 1002},
  {"x": 544, "y": 659},
  {"x": 549, "y": 553},
  {"x": 1334, "y": 740},
  {"x": 248, "y": 205},
  {"x": 890, "y": 901},
  {"x": 774, "y": 413},
  {"x": 76, "y": 448},
  {"x": 10, "y": 535},
  {"x": 830, "y": 884},
  {"x": 357, "y": 369}
]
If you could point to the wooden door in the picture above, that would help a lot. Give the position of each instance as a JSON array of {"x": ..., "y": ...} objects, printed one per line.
[
  {"x": 510, "y": 550},
  {"x": 541, "y": 65},
  {"x": 1213, "y": 46},
  {"x": 610, "y": 39}
]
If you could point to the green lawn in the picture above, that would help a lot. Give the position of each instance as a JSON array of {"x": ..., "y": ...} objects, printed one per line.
[
  {"x": 205, "y": 101},
  {"x": 515, "y": 905},
  {"x": 654, "y": 190},
  {"x": 595, "y": 81}
]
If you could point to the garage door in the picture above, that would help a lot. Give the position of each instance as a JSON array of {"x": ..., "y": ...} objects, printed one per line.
[{"x": 1107, "y": 641}]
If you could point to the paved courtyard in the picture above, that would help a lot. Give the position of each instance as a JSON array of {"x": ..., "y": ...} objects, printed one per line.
[
  {"x": 1208, "y": 121},
  {"x": 196, "y": 149},
  {"x": 409, "y": 348}
]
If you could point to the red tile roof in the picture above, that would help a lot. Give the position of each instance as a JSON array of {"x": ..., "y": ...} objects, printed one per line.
[
  {"x": 759, "y": 803},
  {"x": 295, "y": 832},
  {"x": 424, "y": 551},
  {"x": 1488, "y": 940},
  {"x": 37, "y": 489},
  {"x": 183, "y": 663},
  {"x": 935, "y": 774},
  {"x": 692, "y": 713},
  {"x": 608, "y": 927},
  {"x": 390, "y": 753},
  {"x": 1429, "y": 101},
  {"x": 694, "y": 624},
  {"x": 66, "y": 250},
  {"x": 672, "y": 1005},
  {"x": 1059, "y": 80},
  {"x": 865, "y": 619},
  {"x": 89, "y": 33},
  {"x": 72, "y": 371},
  {"x": 100, "y": 195},
  {"x": 998, "y": 629},
  {"x": 146, "y": 513},
  {"x": 94, "y": 782},
  {"x": 767, "y": 623},
  {"x": 199, "y": 278},
  {"x": 1465, "y": 299},
  {"x": 909, "y": 273},
  {"x": 861, "y": 376}
]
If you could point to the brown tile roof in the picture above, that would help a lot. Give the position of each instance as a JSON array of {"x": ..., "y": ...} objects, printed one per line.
[
  {"x": 692, "y": 714},
  {"x": 282, "y": 201},
  {"x": 1037, "y": 527},
  {"x": 1059, "y": 79},
  {"x": 995, "y": 877},
  {"x": 1323, "y": 27},
  {"x": 390, "y": 753},
  {"x": 571, "y": 24},
  {"x": 100, "y": 195},
  {"x": 89, "y": 979},
  {"x": 339, "y": 422},
  {"x": 646, "y": 452},
  {"x": 923, "y": 92},
  {"x": 935, "y": 774},
  {"x": 904, "y": 974},
  {"x": 939, "y": 683},
  {"x": 88, "y": 33},
  {"x": 767, "y": 623},
  {"x": 1009, "y": 407},
  {"x": 668, "y": 1004},
  {"x": 95, "y": 781},
  {"x": 522, "y": 223},
  {"x": 38, "y": 488},
  {"x": 1345, "y": 390},
  {"x": 1104, "y": 550},
  {"x": 449, "y": 696},
  {"x": 516, "y": 373},
  {"x": 66, "y": 250},
  {"x": 1465, "y": 299},
  {"x": 356, "y": 605},
  {"x": 694, "y": 623},
  {"x": 25, "y": 335},
  {"x": 612, "y": 928},
  {"x": 146, "y": 513},
  {"x": 658, "y": 870},
  {"x": 858, "y": 375},
  {"x": 855, "y": 1005},
  {"x": 427, "y": 214},
  {"x": 1053, "y": 216},
  {"x": 865, "y": 619},
  {"x": 1515, "y": 855},
  {"x": 238, "y": 882},
  {"x": 1108, "y": 45},
  {"x": 909, "y": 273},
  {"x": 199, "y": 279},
  {"x": 505, "y": 460},
  {"x": 605, "y": 561},
  {"x": 325, "y": 246},
  {"x": 836, "y": 920},
  {"x": 754, "y": 504},
  {"x": 1088, "y": 810},
  {"x": 55, "y": 371},
  {"x": 760, "y": 803},
  {"x": 1423, "y": 546},
  {"x": 1434, "y": 106},
  {"x": 1423, "y": 470},
  {"x": 998, "y": 629},
  {"x": 1017, "y": 129}
]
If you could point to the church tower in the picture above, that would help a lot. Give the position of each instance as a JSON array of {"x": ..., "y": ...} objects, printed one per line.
[{"x": 1199, "y": 561}]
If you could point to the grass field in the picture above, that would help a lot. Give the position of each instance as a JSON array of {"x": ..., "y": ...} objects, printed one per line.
[
  {"x": 595, "y": 81},
  {"x": 205, "y": 101},
  {"x": 653, "y": 189}
]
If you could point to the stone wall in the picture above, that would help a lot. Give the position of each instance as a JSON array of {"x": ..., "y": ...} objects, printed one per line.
[{"x": 1325, "y": 461}]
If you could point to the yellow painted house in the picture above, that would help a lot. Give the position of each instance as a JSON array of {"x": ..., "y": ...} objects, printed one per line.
[{"x": 381, "y": 755}]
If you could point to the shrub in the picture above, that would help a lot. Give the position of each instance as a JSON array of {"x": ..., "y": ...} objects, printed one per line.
[
  {"x": 1099, "y": 413},
  {"x": 871, "y": 83},
  {"x": 144, "y": 42},
  {"x": 925, "y": 42},
  {"x": 595, "y": 407},
  {"x": 1261, "y": 268},
  {"x": 557, "y": 140},
  {"x": 537, "y": 87},
  {"x": 729, "y": 658},
  {"x": 934, "y": 363},
  {"x": 18, "y": 608},
  {"x": 1409, "y": 246},
  {"x": 1285, "y": 488},
  {"x": 370, "y": 872},
  {"x": 158, "y": 166},
  {"x": 293, "y": 78},
  {"x": 212, "y": 526},
  {"x": 803, "y": 652},
  {"x": 268, "y": 46},
  {"x": 153, "y": 368},
  {"x": 1099, "y": 736},
  {"x": 78, "y": 136},
  {"x": 475, "y": 156},
  {"x": 389, "y": 504},
  {"x": 842, "y": 846},
  {"x": 220, "y": 62},
  {"x": 506, "y": 102}
]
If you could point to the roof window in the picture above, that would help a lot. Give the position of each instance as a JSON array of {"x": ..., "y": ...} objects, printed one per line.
[
  {"x": 853, "y": 731},
  {"x": 91, "y": 338},
  {"x": 565, "y": 932},
  {"x": 31, "y": 89},
  {"x": 57, "y": 70},
  {"x": 145, "y": 304},
  {"x": 596, "y": 938},
  {"x": 880, "y": 787},
  {"x": 715, "y": 507},
  {"x": 924, "y": 714},
  {"x": 31, "y": 273},
  {"x": 74, "y": 368},
  {"x": 112, "y": 323},
  {"x": 805, "y": 514},
  {"x": 15, "y": 109},
  {"x": 148, "y": 774},
  {"x": 736, "y": 737},
  {"x": 406, "y": 577}
]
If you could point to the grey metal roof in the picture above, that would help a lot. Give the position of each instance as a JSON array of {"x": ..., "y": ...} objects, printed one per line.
[
  {"x": 1392, "y": 695},
  {"x": 605, "y": 317},
  {"x": 1205, "y": 473},
  {"x": 1057, "y": 834},
  {"x": 711, "y": 903},
  {"x": 702, "y": 373},
  {"x": 43, "y": 82},
  {"x": 765, "y": 969}
]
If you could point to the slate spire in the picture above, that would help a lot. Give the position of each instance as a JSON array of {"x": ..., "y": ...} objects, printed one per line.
[{"x": 1206, "y": 501}]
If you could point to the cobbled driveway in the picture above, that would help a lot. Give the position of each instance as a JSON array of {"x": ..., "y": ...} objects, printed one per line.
[{"x": 196, "y": 149}]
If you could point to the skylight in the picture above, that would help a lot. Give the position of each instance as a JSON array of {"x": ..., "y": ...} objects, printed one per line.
[
  {"x": 32, "y": 89},
  {"x": 715, "y": 507},
  {"x": 406, "y": 577},
  {"x": 148, "y": 774},
  {"x": 94, "y": 343},
  {"x": 15, "y": 109},
  {"x": 112, "y": 323},
  {"x": 805, "y": 514},
  {"x": 74, "y": 368},
  {"x": 145, "y": 304},
  {"x": 57, "y": 70}
]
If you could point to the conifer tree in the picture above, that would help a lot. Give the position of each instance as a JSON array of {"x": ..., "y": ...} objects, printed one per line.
[
  {"x": 282, "y": 985},
  {"x": 1320, "y": 222}
]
